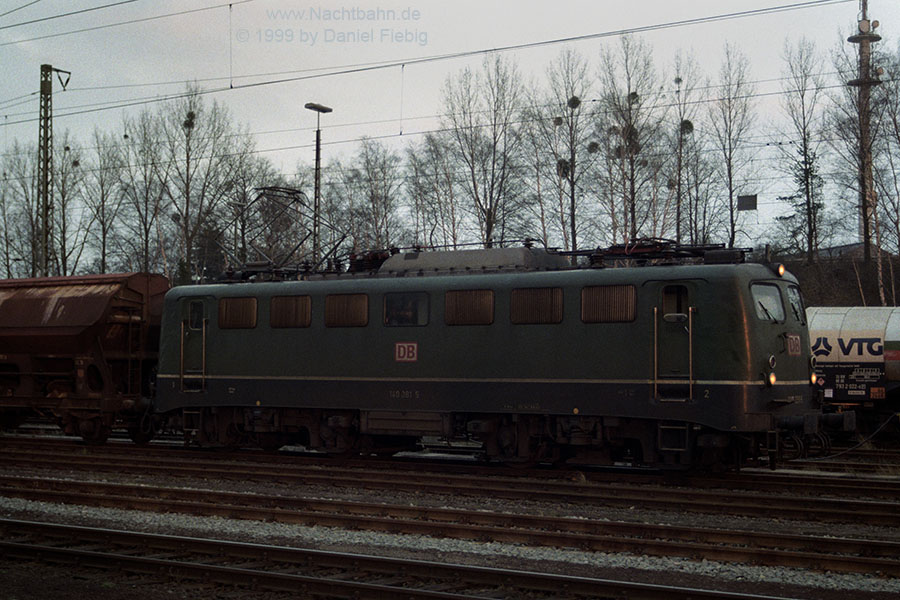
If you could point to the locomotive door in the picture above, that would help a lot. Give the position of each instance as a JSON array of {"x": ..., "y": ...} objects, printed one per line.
[
  {"x": 673, "y": 343},
  {"x": 194, "y": 326}
]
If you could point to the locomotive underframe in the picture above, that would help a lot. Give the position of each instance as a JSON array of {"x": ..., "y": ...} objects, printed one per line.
[{"x": 601, "y": 423}]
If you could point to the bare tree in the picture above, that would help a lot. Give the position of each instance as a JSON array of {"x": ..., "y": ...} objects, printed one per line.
[
  {"x": 802, "y": 103},
  {"x": 482, "y": 110},
  {"x": 7, "y": 230},
  {"x": 198, "y": 142},
  {"x": 888, "y": 168},
  {"x": 561, "y": 146},
  {"x": 732, "y": 118},
  {"x": 71, "y": 221},
  {"x": 143, "y": 173},
  {"x": 102, "y": 194},
  {"x": 633, "y": 115},
  {"x": 378, "y": 178},
  {"x": 22, "y": 244},
  {"x": 434, "y": 192},
  {"x": 687, "y": 79},
  {"x": 706, "y": 207}
]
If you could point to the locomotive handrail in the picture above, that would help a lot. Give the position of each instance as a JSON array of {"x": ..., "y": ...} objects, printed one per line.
[
  {"x": 691, "y": 352},
  {"x": 202, "y": 376},
  {"x": 655, "y": 353},
  {"x": 181, "y": 357}
]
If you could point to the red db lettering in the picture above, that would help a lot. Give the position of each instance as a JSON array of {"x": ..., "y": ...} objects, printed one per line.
[{"x": 406, "y": 351}]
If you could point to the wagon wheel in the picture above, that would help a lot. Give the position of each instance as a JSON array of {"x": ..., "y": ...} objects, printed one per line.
[
  {"x": 140, "y": 437},
  {"x": 819, "y": 444},
  {"x": 93, "y": 431},
  {"x": 144, "y": 431}
]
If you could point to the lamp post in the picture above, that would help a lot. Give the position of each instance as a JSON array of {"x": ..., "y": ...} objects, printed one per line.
[{"x": 319, "y": 109}]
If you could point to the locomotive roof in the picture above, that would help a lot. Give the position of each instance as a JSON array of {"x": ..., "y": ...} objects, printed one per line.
[
  {"x": 385, "y": 280},
  {"x": 488, "y": 259}
]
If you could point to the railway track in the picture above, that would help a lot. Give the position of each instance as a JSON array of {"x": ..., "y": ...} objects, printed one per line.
[
  {"x": 308, "y": 573},
  {"x": 810, "y": 552},
  {"x": 790, "y": 496}
]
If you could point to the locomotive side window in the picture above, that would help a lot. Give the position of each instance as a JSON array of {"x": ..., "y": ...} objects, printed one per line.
[
  {"x": 767, "y": 300},
  {"x": 290, "y": 311},
  {"x": 536, "y": 306},
  {"x": 469, "y": 307},
  {"x": 406, "y": 309},
  {"x": 796, "y": 301},
  {"x": 195, "y": 314},
  {"x": 346, "y": 310},
  {"x": 237, "y": 313},
  {"x": 608, "y": 304},
  {"x": 675, "y": 300}
]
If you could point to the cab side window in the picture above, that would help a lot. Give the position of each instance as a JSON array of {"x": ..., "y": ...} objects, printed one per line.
[
  {"x": 406, "y": 309},
  {"x": 796, "y": 301}
]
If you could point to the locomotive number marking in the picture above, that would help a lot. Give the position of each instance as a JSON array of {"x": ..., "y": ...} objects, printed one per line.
[{"x": 406, "y": 351}]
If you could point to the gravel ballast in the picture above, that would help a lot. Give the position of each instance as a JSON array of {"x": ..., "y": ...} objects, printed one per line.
[{"x": 784, "y": 581}]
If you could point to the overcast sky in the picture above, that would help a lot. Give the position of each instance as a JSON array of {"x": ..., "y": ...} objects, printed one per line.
[{"x": 131, "y": 52}]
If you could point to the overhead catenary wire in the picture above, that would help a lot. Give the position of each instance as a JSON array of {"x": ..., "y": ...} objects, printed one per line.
[
  {"x": 63, "y": 15},
  {"x": 402, "y": 63},
  {"x": 382, "y": 65},
  {"x": 18, "y": 8},
  {"x": 127, "y": 22}
]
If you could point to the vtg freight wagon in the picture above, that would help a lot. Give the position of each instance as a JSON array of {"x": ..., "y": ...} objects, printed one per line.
[{"x": 857, "y": 350}]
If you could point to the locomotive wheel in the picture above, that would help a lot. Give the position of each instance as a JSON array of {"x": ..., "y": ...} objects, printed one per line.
[
  {"x": 270, "y": 442},
  {"x": 792, "y": 447},
  {"x": 93, "y": 431}
]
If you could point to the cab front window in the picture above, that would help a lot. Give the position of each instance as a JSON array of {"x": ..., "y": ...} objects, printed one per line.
[{"x": 767, "y": 301}]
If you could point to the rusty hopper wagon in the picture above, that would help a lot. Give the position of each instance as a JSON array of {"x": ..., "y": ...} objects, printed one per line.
[{"x": 81, "y": 350}]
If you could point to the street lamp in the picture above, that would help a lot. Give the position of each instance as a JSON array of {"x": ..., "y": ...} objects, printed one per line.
[{"x": 319, "y": 109}]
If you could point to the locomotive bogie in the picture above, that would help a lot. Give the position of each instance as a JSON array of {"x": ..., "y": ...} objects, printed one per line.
[{"x": 677, "y": 365}]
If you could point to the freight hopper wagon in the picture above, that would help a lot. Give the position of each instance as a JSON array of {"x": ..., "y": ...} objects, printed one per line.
[
  {"x": 81, "y": 350},
  {"x": 857, "y": 350}
]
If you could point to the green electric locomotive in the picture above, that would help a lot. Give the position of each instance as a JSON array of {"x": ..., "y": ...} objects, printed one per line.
[{"x": 674, "y": 365}]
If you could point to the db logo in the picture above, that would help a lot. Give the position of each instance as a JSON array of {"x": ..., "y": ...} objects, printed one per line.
[
  {"x": 793, "y": 345},
  {"x": 406, "y": 351}
]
